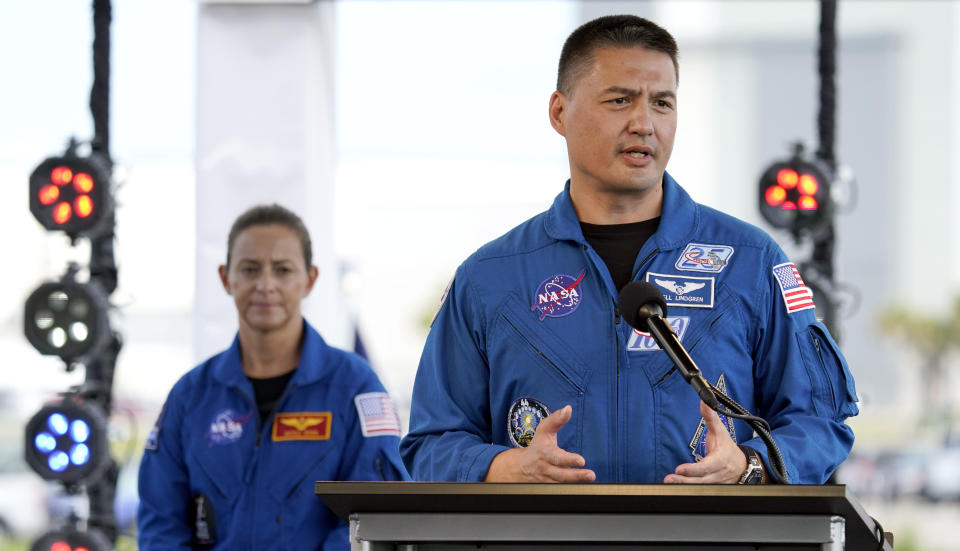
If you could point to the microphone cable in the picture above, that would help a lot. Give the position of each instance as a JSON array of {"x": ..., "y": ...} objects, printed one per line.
[
  {"x": 641, "y": 303},
  {"x": 778, "y": 468}
]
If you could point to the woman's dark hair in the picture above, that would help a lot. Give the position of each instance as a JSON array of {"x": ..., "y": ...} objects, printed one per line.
[
  {"x": 266, "y": 215},
  {"x": 613, "y": 31}
]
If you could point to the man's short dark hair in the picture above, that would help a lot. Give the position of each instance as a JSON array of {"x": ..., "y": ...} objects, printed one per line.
[
  {"x": 613, "y": 31},
  {"x": 267, "y": 215}
]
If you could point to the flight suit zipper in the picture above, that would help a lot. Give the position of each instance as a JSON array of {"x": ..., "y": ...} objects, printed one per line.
[
  {"x": 616, "y": 354},
  {"x": 823, "y": 368},
  {"x": 250, "y": 474},
  {"x": 623, "y": 439}
]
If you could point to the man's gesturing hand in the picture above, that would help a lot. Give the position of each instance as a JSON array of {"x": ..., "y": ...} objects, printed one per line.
[
  {"x": 724, "y": 462},
  {"x": 543, "y": 460}
]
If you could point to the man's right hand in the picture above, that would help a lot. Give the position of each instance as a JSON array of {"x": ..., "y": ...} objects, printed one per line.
[{"x": 543, "y": 460}]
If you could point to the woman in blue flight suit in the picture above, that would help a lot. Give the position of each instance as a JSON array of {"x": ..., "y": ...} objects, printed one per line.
[{"x": 242, "y": 437}]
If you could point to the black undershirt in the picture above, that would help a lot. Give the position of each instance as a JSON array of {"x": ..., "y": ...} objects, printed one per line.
[
  {"x": 268, "y": 392},
  {"x": 619, "y": 244}
]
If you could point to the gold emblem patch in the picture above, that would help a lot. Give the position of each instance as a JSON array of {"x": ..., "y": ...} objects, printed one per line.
[{"x": 304, "y": 425}]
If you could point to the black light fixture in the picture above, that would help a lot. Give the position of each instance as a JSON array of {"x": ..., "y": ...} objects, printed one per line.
[
  {"x": 67, "y": 318},
  {"x": 67, "y": 440},
  {"x": 795, "y": 194},
  {"x": 72, "y": 194},
  {"x": 72, "y": 539}
]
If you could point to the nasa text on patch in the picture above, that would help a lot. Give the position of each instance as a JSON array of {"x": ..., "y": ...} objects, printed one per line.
[
  {"x": 558, "y": 295},
  {"x": 687, "y": 291},
  {"x": 226, "y": 427},
  {"x": 644, "y": 342},
  {"x": 796, "y": 295},
  {"x": 303, "y": 425},
  {"x": 699, "y": 257}
]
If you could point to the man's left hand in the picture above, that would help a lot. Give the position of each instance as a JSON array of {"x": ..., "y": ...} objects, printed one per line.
[{"x": 724, "y": 462}]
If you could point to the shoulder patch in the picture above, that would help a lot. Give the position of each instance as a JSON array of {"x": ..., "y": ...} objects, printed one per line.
[
  {"x": 153, "y": 439},
  {"x": 796, "y": 295},
  {"x": 443, "y": 299},
  {"x": 377, "y": 415}
]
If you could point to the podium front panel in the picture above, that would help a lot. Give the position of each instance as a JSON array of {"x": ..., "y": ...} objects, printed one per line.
[{"x": 697, "y": 502}]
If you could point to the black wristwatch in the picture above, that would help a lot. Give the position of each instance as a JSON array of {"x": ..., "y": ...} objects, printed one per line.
[{"x": 754, "y": 472}]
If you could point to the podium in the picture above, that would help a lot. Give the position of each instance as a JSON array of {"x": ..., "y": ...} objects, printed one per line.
[{"x": 442, "y": 516}]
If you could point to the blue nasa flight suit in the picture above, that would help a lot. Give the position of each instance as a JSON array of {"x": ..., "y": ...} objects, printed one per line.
[
  {"x": 530, "y": 324},
  {"x": 258, "y": 476}
]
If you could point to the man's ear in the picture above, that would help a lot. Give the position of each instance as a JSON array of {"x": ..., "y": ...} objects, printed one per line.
[
  {"x": 558, "y": 112},
  {"x": 222, "y": 270}
]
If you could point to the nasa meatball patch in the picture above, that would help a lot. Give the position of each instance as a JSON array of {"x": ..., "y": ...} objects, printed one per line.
[
  {"x": 522, "y": 420},
  {"x": 226, "y": 427},
  {"x": 558, "y": 295}
]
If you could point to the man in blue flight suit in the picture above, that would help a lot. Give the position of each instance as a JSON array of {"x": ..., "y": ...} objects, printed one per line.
[{"x": 530, "y": 373}]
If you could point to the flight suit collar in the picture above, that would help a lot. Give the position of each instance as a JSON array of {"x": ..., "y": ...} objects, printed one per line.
[
  {"x": 679, "y": 218},
  {"x": 313, "y": 365}
]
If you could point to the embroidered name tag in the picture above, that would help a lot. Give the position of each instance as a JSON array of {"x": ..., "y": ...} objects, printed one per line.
[{"x": 687, "y": 291}]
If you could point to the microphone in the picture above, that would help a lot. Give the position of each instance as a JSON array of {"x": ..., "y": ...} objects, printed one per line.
[{"x": 643, "y": 307}]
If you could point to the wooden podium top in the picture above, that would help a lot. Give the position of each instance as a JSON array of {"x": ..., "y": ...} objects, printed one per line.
[{"x": 344, "y": 498}]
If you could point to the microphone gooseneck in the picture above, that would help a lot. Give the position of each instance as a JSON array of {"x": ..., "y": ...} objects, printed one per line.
[{"x": 643, "y": 307}]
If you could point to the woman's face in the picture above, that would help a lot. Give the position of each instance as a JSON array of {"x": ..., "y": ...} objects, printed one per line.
[{"x": 267, "y": 277}]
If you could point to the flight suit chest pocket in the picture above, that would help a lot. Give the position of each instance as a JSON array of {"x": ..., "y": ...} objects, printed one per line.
[
  {"x": 217, "y": 452},
  {"x": 524, "y": 344},
  {"x": 710, "y": 335},
  {"x": 296, "y": 464},
  {"x": 533, "y": 373}
]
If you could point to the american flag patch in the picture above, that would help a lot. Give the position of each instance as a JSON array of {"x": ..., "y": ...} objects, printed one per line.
[
  {"x": 796, "y": 295},
  {"x": 378, "y": 417}
]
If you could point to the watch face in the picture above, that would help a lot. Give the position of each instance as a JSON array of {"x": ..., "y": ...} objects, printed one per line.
[
  {"x": 754, "y": 472},
  {"x": 754, "y": 475}
]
